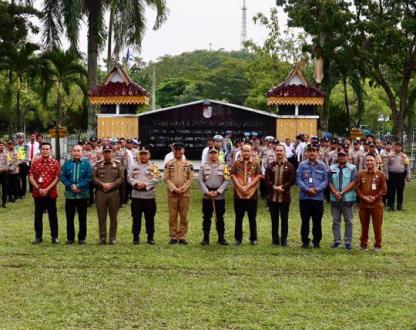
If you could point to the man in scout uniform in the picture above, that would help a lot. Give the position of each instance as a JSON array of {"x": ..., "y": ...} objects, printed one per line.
[
  {"x": 279, "y": 177},
  {"x": 143, "y": 176},
  {"x": 178, "y": 174},
  {"x": 245, "y": 174},
  {"x": 12, "y": 158},
  {"x": 370, "y": 187},
  {"x": 214, "y": 179},
  {"x": 398, "y": 172},
  {"x": 4, "y": 169},
  {"x": 341, "y": 185},
  {"x": 312, "y": 179},
  {"x": 108, "y": 176}
]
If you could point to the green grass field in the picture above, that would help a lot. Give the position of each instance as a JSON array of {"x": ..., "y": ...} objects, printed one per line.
[{"x": 180, "y": 287}]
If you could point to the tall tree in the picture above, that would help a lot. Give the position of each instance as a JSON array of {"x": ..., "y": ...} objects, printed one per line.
[
  {"x": 60, "y": 71},
  {"x": 66, "y": 16}
]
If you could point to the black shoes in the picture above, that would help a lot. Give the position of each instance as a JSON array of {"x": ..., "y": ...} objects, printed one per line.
[
  {"x": 316, "y": 246},
  {"x": 205, "y": 242},
  {"x": 136, "y": 240},
  {"x": 112, "y": 242},
  {"x": 183, "y": 241},
  {"x": 81, "y": 242},
  {"x": 37, "y": 241},
  {"x": 55, "y": 240},
  {"x": 222, "y": 241},
  {"x": 237, "y": 242},
  {"x": 173, "y": 241},
  {"x": 150, "y": 241},
  {"x": 69, "y": 242},
  {"x": 253, "y": 242},
  {"x": 102, "y": 242},
  {"x": 283, "y": 243},
  {"x": 305, "y": 245}
]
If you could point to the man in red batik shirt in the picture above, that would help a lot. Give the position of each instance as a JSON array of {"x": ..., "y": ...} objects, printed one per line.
[{"x": 44, "y": 176}]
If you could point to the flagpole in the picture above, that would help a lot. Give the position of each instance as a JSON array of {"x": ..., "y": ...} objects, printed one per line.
[{"x": 154, "y": 87}]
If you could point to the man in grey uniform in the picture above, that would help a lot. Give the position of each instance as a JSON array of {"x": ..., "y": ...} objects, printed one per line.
[
  {"x": 214, "y": 179},
  {"x": 143, "y": 176}
]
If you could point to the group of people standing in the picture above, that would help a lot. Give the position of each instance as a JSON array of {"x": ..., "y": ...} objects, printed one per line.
[{"x": 113, "y": 171}]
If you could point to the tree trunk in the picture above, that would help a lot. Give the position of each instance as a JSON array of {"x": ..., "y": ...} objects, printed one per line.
[
  {"x": 347, "y": 106},
  {"x": 110, "y": 41},
  {"x": 18, "y": 115},
  {"x": 93, "y": 22},
  {"x": 58, "y": 124},
  {"x": 9, "y": 101}
]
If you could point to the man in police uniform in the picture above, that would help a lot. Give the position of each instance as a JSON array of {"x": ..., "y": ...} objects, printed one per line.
[
  {"x": 214, "y": 179},
  {"x": 3, "y": 174},
  {"x": 108, "y": 176},
  {"x": 398, "y": 172},
  {"x": 12, "y": 158},
  {"x": 178, "y": 174},
  {"x": 143, "y": 176},
  {"x": 22, "y": 152}
]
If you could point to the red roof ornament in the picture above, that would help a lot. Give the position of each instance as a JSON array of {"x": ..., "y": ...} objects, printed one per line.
[
  {"x": 295, "y": 90},
  {"x": 118, "y": 89}
]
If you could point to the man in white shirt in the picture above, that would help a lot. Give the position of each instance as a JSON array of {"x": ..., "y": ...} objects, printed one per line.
[
  {"x": 169, "y": 156},
  {"x": 205, "y": 155}
]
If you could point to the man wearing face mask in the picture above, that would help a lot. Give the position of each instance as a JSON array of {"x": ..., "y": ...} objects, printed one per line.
[
  {"x": 76, "y": 177},
  {"x": 178, "y": 174}
]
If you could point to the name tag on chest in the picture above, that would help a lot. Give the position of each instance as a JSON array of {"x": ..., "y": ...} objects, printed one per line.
[{"x": 373, "y": 186}]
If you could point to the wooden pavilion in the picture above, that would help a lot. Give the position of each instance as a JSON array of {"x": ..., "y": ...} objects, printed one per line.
[
  {"x": 296, "y": 101},
  {"x": 118, "y": 99}
]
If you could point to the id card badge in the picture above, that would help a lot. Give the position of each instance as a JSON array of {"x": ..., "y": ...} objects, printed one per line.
[
  {"x": 249, "y": 179},
  {"x": 40, "y": 179},
  {"x": 310, "y": 180},
  {"x": 373, "y": 186}
]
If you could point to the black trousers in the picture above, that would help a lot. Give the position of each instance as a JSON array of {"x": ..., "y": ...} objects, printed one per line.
[
  {"x": 148, "y": 207},
  {"x": 12, "y": 188},
  {"x": 92, "y": 193},
  {"x": 208, "y": 210},
  {"x": 396, "y": 186},
  {"x": 41, "y": 204},
  {"x": 282, "y": 210},
  {"x": 241, "y": 206},
  {"x": 71, "y": 207},
  {"x": 263, "y": 188},
  {"x": 315, "y": 210},
  {"x": 22, "y": 179},
  {"x": 4, "y": 181}
]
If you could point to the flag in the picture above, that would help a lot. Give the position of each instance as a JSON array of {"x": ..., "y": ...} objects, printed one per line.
[{"x": 128, "y": 56}]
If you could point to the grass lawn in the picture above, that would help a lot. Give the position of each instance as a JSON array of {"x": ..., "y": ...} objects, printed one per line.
[{"x": 171, "y": 287}]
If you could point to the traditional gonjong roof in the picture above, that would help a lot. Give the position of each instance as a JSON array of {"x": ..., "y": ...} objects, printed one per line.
[
  {"x": 118, "y": 89},
  {"x": 295, "y": 90}
]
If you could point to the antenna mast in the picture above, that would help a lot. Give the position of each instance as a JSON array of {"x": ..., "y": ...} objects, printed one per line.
[{"x": 244, "y": 25}]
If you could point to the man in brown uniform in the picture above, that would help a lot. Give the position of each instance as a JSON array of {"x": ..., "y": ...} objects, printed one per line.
[
  {"x": 108, "y": 176},
  {"x": 371, "y": 186},
  {"x": 178, "y": 174}
]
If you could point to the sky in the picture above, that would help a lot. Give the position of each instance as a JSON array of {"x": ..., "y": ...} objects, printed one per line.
[{"x": 196, "y": 24}]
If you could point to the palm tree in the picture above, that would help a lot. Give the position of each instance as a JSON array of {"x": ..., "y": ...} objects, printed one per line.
[
  {"x": 64, "y": 15},
  {"x": 60, "y": 71},
  {"x": 20, "y": 62}
]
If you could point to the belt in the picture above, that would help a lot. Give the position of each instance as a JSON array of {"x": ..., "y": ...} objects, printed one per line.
[
  {"x": 212, "y": 189},
  {"x": 144, "y": 189}
]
